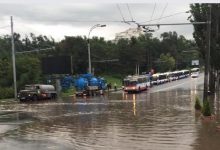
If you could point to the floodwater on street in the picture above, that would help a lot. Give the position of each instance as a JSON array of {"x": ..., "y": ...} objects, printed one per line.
[{"x": 162, "y": 118}]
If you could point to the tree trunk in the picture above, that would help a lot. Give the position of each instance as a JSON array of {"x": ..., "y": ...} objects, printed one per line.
[{"x": 212, "y": 80}]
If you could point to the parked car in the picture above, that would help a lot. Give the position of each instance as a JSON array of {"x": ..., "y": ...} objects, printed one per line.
[{"x": 37, "y": 92}]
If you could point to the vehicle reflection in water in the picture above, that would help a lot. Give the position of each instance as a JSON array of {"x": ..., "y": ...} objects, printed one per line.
[
  {"x": 162, "y": 120},
  {"x": 134, "y": 104}
]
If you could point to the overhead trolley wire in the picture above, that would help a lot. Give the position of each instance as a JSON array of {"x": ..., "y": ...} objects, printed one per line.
[
  {"x": 120, "y": 12},
  {"x": 153, "y": 11},
  {"x": 130, "y": 12},
  {"x": 162, "y": 12},
  {"x": 164, "y": 17}
]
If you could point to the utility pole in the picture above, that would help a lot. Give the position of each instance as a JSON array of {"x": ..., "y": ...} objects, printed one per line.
[
  {"x": 137, "y": 69},
  {"x": 207, "y": 58},
  {"x": 13, "y": 59}
]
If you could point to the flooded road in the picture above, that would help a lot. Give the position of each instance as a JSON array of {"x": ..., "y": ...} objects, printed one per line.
[{"x": 163, "y": 118}]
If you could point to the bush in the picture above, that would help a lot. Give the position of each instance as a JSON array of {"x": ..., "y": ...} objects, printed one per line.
[
  {"x": 197, "y": 104},
  {"x": 206, "y": 110},
  {"x": 6, "y": 92}
]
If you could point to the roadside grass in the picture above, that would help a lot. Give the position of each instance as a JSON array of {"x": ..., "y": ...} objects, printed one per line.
[
  {"x": 113, "y": 79},
  {"x": 6, "y": 99},
  {"x": 68, "y": 92}
]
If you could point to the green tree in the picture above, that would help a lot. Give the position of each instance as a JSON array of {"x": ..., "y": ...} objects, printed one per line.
[
  {"x": 199, "y": 13},
  {"x": 166, "y": 62},
  {"x": 144, "y": 50}
]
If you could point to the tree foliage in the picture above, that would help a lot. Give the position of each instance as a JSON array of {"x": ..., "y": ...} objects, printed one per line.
[
  {"x": 200, "y": 13},
  {"x": 166, "y": 62},
  {"x": 144, "y": 50}
]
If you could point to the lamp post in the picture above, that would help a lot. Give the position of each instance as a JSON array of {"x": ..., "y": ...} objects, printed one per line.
[{"x": 89, "y": 56}]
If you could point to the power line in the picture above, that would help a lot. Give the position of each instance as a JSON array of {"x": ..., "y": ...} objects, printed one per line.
[
  {"x": 130, "y": 12},
  {"x": 166, "y": 24},
  {"x": 163, "y": 12},
  {"x": 124, "y": 21},
  {"x": 153, "y": 11},
  {"x": 165, "y": 17},
  {"x": 121, "y": 13}
]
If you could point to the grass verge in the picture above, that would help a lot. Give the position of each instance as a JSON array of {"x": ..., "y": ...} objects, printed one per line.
[
  {"x": 113, "y": 80},
  {"x": 68, "y": 92}
]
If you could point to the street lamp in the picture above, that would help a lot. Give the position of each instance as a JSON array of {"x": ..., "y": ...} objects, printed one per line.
[{"x": 89, "y": 56}]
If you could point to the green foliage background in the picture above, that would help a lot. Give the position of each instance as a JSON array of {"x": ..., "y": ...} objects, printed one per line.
[{"x": 145, "y": 50}]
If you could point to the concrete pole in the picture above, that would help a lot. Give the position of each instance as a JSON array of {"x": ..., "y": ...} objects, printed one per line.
[
  {"x": 207, "y": 59},
  {"x": 13, "y": 59}
]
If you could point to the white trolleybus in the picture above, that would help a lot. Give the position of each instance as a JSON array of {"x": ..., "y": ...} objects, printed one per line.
[{"x": 136, "y": 83}]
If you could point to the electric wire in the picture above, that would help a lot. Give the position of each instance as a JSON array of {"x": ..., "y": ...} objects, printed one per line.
[
  {"x": 163, "y": 12},
  {"x": 121, "y": 13},
  {"x": 130, "y": 12},
  {"x": 153, "y": 11},
  {"x": 164, "y": 17}
]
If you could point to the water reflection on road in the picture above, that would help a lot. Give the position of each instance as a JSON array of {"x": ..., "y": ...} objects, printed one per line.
[{"x": 156, "y": 119}]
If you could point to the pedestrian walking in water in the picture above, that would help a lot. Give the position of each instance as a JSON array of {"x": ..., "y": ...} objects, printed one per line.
[
  {"x": 109, "y": 86},
  {"x": 115, "y": 87}
]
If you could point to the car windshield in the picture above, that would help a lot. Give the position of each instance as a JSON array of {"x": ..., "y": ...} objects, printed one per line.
[{"x": 130, "y": 83}]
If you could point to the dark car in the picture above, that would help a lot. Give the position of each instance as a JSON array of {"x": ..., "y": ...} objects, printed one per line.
[{"x": 37, "y": 92}]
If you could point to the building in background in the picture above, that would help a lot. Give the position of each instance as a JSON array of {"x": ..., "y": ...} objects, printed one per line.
[{"x": 127, "y": 34}]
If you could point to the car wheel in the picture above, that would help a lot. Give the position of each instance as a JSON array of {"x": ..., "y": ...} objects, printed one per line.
[{"x": 53, "y": 96}]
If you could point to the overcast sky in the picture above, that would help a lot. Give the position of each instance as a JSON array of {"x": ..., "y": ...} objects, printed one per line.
[{"x": 58, "y": 18}]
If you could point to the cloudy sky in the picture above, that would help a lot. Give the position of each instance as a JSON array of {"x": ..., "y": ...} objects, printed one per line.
[{"x": 58, "y": 18}]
